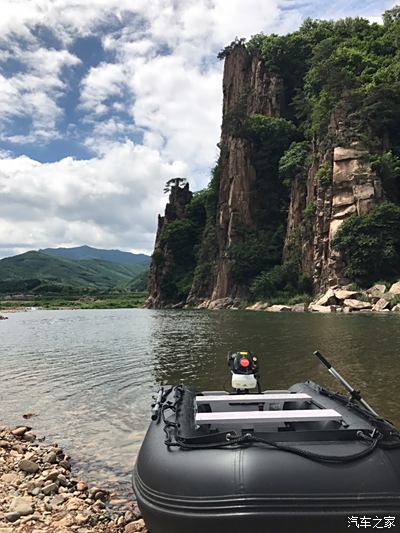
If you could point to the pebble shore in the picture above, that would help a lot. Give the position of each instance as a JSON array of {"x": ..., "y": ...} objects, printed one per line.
[{"x": 39, "y": 494}]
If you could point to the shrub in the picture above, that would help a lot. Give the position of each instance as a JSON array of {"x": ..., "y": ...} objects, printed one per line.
[
  {"x": 324, "y": 175},
  {"x": 370, "y": 244},
  {"x": 281, "y": 281},
  {"x": 179, "y": 236},
  {"x": 294, "y": 162}
]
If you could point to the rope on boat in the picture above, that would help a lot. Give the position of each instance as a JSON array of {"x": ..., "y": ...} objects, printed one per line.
[{"x": 229, "y": 439}]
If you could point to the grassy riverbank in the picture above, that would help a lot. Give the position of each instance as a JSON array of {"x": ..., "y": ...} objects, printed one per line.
[{"x": 93, "y": 301}]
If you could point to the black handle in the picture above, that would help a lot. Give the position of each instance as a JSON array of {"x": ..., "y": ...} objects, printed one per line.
[{"x": 323, "y": 360}]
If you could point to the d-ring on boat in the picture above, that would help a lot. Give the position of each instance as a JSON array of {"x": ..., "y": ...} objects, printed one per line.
[{"x": 302, "y": 460}]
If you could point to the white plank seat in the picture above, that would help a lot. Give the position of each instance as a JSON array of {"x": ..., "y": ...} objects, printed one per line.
[
  {"x": 251, "y": 398},
  {"x": 223, "y": 404},
  {"x": 262, "y": 417}
]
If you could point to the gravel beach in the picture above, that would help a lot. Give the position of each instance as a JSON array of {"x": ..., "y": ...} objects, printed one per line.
[{"x": 39, "y": 493}]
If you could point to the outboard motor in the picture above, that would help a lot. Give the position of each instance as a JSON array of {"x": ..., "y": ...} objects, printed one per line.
[{"x": 245, "y": 371}]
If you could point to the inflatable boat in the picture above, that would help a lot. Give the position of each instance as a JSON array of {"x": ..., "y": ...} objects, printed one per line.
[{"x": 300, "y": 460}]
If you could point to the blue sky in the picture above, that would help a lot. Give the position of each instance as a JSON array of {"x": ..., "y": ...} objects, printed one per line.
[{"x": 101, "y": 101}]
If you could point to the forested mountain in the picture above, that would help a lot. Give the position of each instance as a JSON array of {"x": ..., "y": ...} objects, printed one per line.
[
  {"x": 87, "y": 252},
  {"x": 40, "y": 273},
  {"x": 306, "y": 191}
]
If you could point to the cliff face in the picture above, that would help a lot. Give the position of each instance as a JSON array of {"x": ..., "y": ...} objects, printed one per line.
[
  {"x": 354, "y": 188},
  {"x": 248, "y": 90}
]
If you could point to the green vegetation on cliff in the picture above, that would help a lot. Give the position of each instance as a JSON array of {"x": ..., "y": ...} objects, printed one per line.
[
  {"x": 347, "y": 65},
  {"x": 370, "y": 244}
]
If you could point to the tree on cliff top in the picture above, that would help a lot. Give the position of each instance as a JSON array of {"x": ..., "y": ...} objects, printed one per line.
[{"x": 174, "y": 182}]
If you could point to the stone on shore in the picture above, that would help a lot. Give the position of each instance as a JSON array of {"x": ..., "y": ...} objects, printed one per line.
[
  {"x": 12, "y": 517},
  {"x": 52, "y": 488},
  {"x": 258, "y": 306},
  {"x": 314, "y": 308},
  {"x": 377, "y": 290},
  {"x": 381, "y": 305},
  {"x": 19, "y": 431},
  {"x": 328, "y": 298},
  {"x": 299, "y": 308},
  {"x": 22, "y": 506},
  {"x": 357, "y": 305},
  {"x": 344, "y": 294},
  {"x": 135, "y": 527},
  {"x": 222, "y": 303},
  {"x": 50, "y": 457},
  {"x": 395, "y": 288},
  {"x": 278, "y": 308},
  {"x": 28, "y": 466},
  {"x": 81, "y": 486}
]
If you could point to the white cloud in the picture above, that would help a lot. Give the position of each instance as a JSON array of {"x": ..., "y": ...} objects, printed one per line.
[
  {"x": 33, "y": 93},
  {"x": 109, "y": 201},
  {"x": 101, "y": 83}
]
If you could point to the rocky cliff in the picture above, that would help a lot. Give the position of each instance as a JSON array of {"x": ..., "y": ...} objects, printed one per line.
[
  {"x": 308, "y": 141},
  {"x": 248, "y": 90},
  {"x": 164, "y": 260}
]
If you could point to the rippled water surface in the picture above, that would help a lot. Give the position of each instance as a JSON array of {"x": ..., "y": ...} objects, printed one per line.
[{"x": 89, "y": 375}]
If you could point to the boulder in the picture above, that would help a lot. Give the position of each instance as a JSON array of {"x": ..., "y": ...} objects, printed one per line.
[
  {"x": 328, "y": 298},
  {"x": 10, "y": 478},
  {"x": 135, "y": 527},
  {"x": 11, "y": 517},
  {"x": 395, "y": 288},
  {"x": 52, "y": 488},
  {"x": 381, "y": 305},
  {"x": 344, "y": 294},
  {"x": 377, "y": 290},
  {"x": 74, "y": 504},
  {"x": 356, "y": 305},
  {"x": 278, "y": 308},
  {"x": 258, "y": 306},
  {"x": 314, "y": 308},
  {"x": 299, "y": 308},
  {"x": 19, "y": 431},
  {"x": 22, "y": 506},
  {"x": 203, "y": 305},
  {"x": 396, "y": 308},
  {"x": 29, "y": 436},
  {"x": 50, "y": 457},
  {"x": 221, "y": 303},
  {"x": 28, "y": 466},
  {"x": 81, "y": 486}
]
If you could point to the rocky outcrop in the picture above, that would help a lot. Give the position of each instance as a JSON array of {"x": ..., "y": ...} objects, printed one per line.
[{"x": 163, "y": 262}]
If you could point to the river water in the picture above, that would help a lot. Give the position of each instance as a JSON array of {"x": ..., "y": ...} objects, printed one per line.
[{"x": 89, "y": 375}]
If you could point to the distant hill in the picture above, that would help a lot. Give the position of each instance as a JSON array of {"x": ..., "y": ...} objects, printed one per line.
[
  {"x": 87, "y": 252},
  {"x": 39, "y": 272}
]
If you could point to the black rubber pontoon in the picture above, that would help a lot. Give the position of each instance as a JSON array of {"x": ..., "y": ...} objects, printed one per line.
[{"x": 303, "y": 460}]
